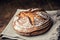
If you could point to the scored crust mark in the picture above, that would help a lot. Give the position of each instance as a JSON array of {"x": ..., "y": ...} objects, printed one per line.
[
  {"x": 39, "y": 10},
  {"x": 27, "y": 14},
  {"x": 30, "y": 20},
  {"x": 30, "y": 14}
]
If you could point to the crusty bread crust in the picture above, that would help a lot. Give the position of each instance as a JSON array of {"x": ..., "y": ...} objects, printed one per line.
[
  {"x": 34, "y": 30},
  {"x": 37, "y": 32}
]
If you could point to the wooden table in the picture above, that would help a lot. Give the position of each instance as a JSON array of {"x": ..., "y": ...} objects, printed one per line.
[{"x": 9, "y": 7}]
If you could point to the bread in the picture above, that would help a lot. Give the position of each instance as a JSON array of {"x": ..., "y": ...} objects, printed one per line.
[{"x": 32, "y": 22}]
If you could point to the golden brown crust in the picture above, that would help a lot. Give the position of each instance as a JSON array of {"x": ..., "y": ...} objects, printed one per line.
[
  {"x": 38, "y": 32},
  {"x": 30, "y": 14},
  {"x": 33, "y": 30},
  {"x": 37, "y": 28}
]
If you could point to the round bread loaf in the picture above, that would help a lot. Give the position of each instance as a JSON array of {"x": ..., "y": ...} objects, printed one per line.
[{"x": 32, "y": 22}]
